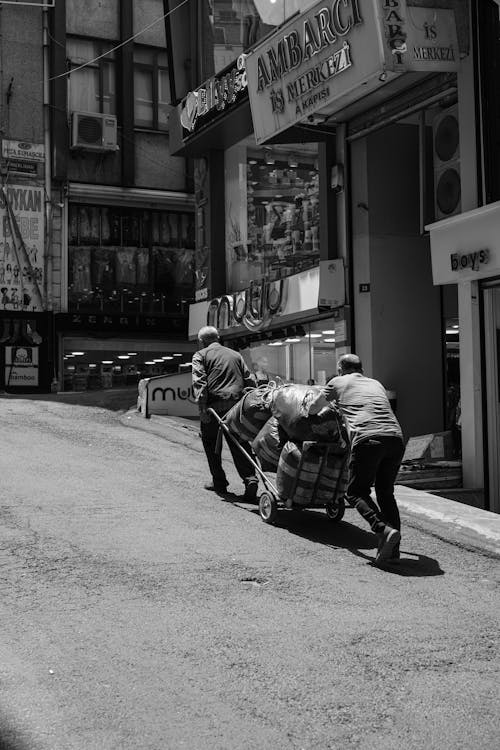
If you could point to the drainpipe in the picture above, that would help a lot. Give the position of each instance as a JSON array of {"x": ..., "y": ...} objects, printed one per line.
[{"x": 48, "y": 164}]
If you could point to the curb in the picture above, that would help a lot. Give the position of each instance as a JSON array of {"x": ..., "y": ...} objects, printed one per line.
[{"x": 449, "y": 520}]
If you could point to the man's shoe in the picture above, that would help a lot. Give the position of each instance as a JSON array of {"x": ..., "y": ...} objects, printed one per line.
[
  {"x": 389, "y": 541},
  {"x": 396, "y": 554},
  {"x": 251, "y": 488},
  {"x": 220, "y": 489}
]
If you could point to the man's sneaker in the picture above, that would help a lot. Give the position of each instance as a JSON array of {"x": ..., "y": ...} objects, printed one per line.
[
  {"x": 251, "y": 487},
  {"x": 220, "y": 489},
  {"x": 389, "y": 541},
  {"x": 396, "y": 554}
]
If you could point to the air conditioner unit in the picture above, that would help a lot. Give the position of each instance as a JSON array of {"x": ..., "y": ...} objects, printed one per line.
[
  {"x": 446, "y": 155},
  {"x": 93, "y": 131}
]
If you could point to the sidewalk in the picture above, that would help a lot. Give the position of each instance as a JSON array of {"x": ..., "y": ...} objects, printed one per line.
[{"x": 447, "y": 519}]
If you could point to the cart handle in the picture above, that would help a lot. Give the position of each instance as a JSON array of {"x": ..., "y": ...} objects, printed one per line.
[{"x": 224, "y": 428}]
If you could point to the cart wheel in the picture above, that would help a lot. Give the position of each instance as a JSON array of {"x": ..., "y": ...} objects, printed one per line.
[
  {"x": 335, "y": 511},
  {"x": 268, "y": 507}
]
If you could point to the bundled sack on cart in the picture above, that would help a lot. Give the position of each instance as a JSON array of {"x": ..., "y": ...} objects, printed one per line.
[
  {"x": 269, "y": 443},
  {"x": 247, "y": 417},
  {"x": 290, "y": 406},
  {"x": 321, "y": 480}
]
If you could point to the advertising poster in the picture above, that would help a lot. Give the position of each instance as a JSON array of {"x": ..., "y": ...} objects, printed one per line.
[
  {"x": 21, "y": 248},
  {"x": 21, "y": 366}
]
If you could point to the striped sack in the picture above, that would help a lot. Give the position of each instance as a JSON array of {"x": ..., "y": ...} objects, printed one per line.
[
  {"x": 268, "y": 444},
  {"x": 331, "y": 485},
  {"x": 247, "y": 417}
]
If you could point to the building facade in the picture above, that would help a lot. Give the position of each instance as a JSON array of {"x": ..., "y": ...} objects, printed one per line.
[
  {"x": 466, "y": 258},
  {"x": 323, "y": 150},
  {"x": 117, "y": 247}
]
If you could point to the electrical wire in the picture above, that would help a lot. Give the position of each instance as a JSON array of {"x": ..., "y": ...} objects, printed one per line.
[{"x": 122, "y": 44}]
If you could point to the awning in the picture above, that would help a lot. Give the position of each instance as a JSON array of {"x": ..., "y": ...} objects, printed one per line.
[{"x": 111, "y": 195}]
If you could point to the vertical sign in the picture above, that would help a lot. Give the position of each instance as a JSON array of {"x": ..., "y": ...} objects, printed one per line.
[
  {"x": 202, "y": 228},
  {"x": 21, "y": 247}
]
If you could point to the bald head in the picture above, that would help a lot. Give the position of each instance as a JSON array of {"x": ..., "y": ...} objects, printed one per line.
[
  {"x": 349, "y": 363},
  {"x": 207, "y": 335}
]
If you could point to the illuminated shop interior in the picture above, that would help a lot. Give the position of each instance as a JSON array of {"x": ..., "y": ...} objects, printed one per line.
[
  {"x": 122, "y": 364},
  {"x": 302, "y": 353},
  {"x": 272, "y": 211}
]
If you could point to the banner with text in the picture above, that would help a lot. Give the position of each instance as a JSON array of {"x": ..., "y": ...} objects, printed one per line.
[
  {"x": 337, "y": 52},
  {"x": 21, "y": 247}
]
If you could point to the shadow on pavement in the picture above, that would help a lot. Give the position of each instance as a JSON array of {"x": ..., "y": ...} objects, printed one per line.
[
  {"x": 315, "y": 526},
  {"x": 10, "y": 741}
]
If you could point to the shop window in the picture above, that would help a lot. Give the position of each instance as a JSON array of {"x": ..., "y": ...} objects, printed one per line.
[
  {"x": 298, "y": 354},
  {"x": 93, "y": 87},
  {"x": 272, "y": 212},
  {"x": 151, "y": 89},
  {"x": 130, "y": 261},
  {"x": 117, "y": 364}
]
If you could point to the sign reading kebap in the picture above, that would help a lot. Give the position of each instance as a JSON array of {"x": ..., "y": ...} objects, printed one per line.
[{"x": 339, "y": 51}]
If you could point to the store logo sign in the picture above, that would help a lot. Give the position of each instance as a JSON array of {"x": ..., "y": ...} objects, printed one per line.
[
  {"x": 253, "y": 308},
  {"x": 309, "y": 42},
  {"x": 181, "y": 394},
  {"x": 473, "y": 261},
  {"x": 216, "y": 94}
]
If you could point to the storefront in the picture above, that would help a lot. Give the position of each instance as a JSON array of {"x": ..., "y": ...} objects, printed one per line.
[
  {"x": 285, "y": 329},
  {"x": 466, "y": 253},
  {"x": 26, "y": 328},
  {"x": 129, "y": 280}
]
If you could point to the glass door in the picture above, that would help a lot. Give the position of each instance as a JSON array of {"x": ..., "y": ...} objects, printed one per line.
[{"x": 492, "y": 365}]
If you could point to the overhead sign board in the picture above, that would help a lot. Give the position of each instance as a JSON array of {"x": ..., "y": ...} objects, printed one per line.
[
  {"x": 466, "y": 247},
  {"x": 337, "y": 52}
]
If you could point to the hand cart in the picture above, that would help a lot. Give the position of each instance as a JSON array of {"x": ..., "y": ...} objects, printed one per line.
[{"x": 270, "y": 501}]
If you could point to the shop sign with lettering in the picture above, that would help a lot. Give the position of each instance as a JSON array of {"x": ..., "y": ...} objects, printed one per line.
[
  {"x": 215, "y": 95},
  {"x": 175, "y": 326},
  {"x": 253, "y": 308},
  {"x": 472, "y": 261},
  {"x": 21, "y": 366},
  {"x": 336, "y": 53},
  {"x": 24, "y": 150}
]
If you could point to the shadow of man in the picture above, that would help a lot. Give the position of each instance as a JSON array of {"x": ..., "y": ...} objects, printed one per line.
[{"x": 313, "y": 524}]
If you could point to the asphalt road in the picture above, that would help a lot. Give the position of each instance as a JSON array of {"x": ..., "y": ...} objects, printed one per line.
[{"x": 140, "y": 611}]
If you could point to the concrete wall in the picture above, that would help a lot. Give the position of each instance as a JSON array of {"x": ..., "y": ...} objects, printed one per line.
[
  {"x": 155, "y": 167},
  {"x": 148, "y": 12},
  {"x": 21, "y": 63},
  {"x": 398, "y": 322},
  {"x": 95, "y": 18}
]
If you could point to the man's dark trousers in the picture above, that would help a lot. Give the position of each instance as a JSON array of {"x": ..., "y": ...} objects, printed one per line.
[
  {"x": 209, "y": 432},
  {"x": 376, "y": 461}
]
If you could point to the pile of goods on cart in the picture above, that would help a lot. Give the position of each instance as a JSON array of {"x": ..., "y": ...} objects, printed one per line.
[{"x": 308, "y": 452}]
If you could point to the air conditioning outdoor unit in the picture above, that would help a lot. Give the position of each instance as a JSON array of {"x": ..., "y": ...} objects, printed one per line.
[
  {"x": 93, "y": 131},
  {"x": 446, "y": 154}
]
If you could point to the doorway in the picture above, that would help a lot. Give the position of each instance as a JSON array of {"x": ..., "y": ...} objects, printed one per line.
[{"x": 491, "y": 299}]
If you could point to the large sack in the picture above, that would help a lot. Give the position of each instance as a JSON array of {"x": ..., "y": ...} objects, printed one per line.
[
  {"x": 290, "y": 406},
  {"x": 269, "y": 443},
  {"x": 300, "y": 485},
  {"x": 246, "y": 418}
]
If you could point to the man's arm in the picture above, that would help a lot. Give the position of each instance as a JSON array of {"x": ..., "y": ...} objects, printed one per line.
[
  {"x": 249, "y": 380},
  {"x": 199, "y": 380},
  {"x": 326, "y": 395}
]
